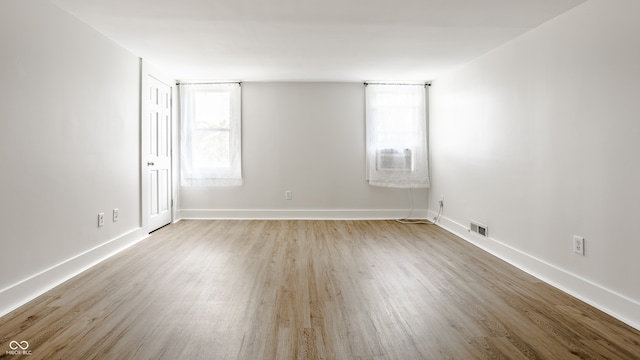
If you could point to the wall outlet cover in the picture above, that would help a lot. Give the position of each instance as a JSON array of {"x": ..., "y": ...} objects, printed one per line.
[{"x": 578, "y": 245}]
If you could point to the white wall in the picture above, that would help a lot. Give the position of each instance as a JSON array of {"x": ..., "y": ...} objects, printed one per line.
[
  {"x": 307, "y": 138},
  {"x": 539, "y": 139},
  {"x": 69, "y": 147}
]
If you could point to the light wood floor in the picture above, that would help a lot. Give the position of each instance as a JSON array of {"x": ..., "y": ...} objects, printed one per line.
[{"x": 310, "y": 290}]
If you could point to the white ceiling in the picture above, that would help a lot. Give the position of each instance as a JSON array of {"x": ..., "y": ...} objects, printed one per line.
[{"x": 312, "y": 40}]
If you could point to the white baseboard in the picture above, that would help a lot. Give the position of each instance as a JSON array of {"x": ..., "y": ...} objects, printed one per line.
[
  {"x": 619, "y": 306},
  {"x": 28, "y": 289},
  {"x": 300, "y": 214}
]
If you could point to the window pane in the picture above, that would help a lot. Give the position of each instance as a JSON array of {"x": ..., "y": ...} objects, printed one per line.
[
  {"x": 213, "y": 110},
  {"x": 211, "y": 149}
]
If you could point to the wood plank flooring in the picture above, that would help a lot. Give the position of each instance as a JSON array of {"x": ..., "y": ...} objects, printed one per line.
[{"x": 310, "y": 290}]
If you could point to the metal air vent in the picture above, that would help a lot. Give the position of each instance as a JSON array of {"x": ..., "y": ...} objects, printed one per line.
[{"x": 479, "y": 229}]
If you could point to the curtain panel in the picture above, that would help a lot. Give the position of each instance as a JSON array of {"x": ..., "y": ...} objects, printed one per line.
[
  {"x": 396, "y": 136},
  {"x": 210, "y": 135}
]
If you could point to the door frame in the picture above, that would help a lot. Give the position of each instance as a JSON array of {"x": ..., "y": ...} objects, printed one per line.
[{"x": 147, "y": 70}]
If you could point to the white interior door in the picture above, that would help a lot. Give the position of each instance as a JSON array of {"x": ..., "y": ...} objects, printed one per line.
[{"x": 156, "y": 160}]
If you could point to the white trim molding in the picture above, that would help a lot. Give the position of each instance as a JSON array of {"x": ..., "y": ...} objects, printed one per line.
[
  {"x": 28, "y": 289},
  {"x": 617, "y": 305},
  {"x": 301, "y": 214}
]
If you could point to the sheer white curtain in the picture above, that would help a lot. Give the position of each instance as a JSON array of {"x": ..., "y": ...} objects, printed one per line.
[
  {"x": 210, "y": 135},
  {"x": 396, "y": 131}
]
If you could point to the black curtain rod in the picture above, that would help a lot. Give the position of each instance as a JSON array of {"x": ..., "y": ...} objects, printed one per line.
[
  {"x": 210, "y": 83},
  {"x": 374, "y": 83}
]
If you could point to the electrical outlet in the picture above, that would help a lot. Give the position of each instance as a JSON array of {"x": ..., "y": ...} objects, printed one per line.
[
  {"x": 288, "y": 195},
  {"x": 115, "y": 215},
  {"x": 578, "y": 245},
  {"x": 100, "y": 219}
]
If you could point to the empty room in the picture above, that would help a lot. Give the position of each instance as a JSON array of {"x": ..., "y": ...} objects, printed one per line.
[{"x": 295, "y": 179}]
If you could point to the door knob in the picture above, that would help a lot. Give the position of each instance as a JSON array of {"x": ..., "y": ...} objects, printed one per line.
[{"x": 150, "y": 163}]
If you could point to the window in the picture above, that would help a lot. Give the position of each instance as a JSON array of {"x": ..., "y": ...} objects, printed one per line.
[
  {"x": 210, "y": 135},
  {"x": 396, "y": 134}
]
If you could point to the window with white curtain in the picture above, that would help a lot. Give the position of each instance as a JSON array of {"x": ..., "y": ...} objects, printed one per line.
[
  {"x": 210, "y": 137},
  {"x": 396, "y": 135}
]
